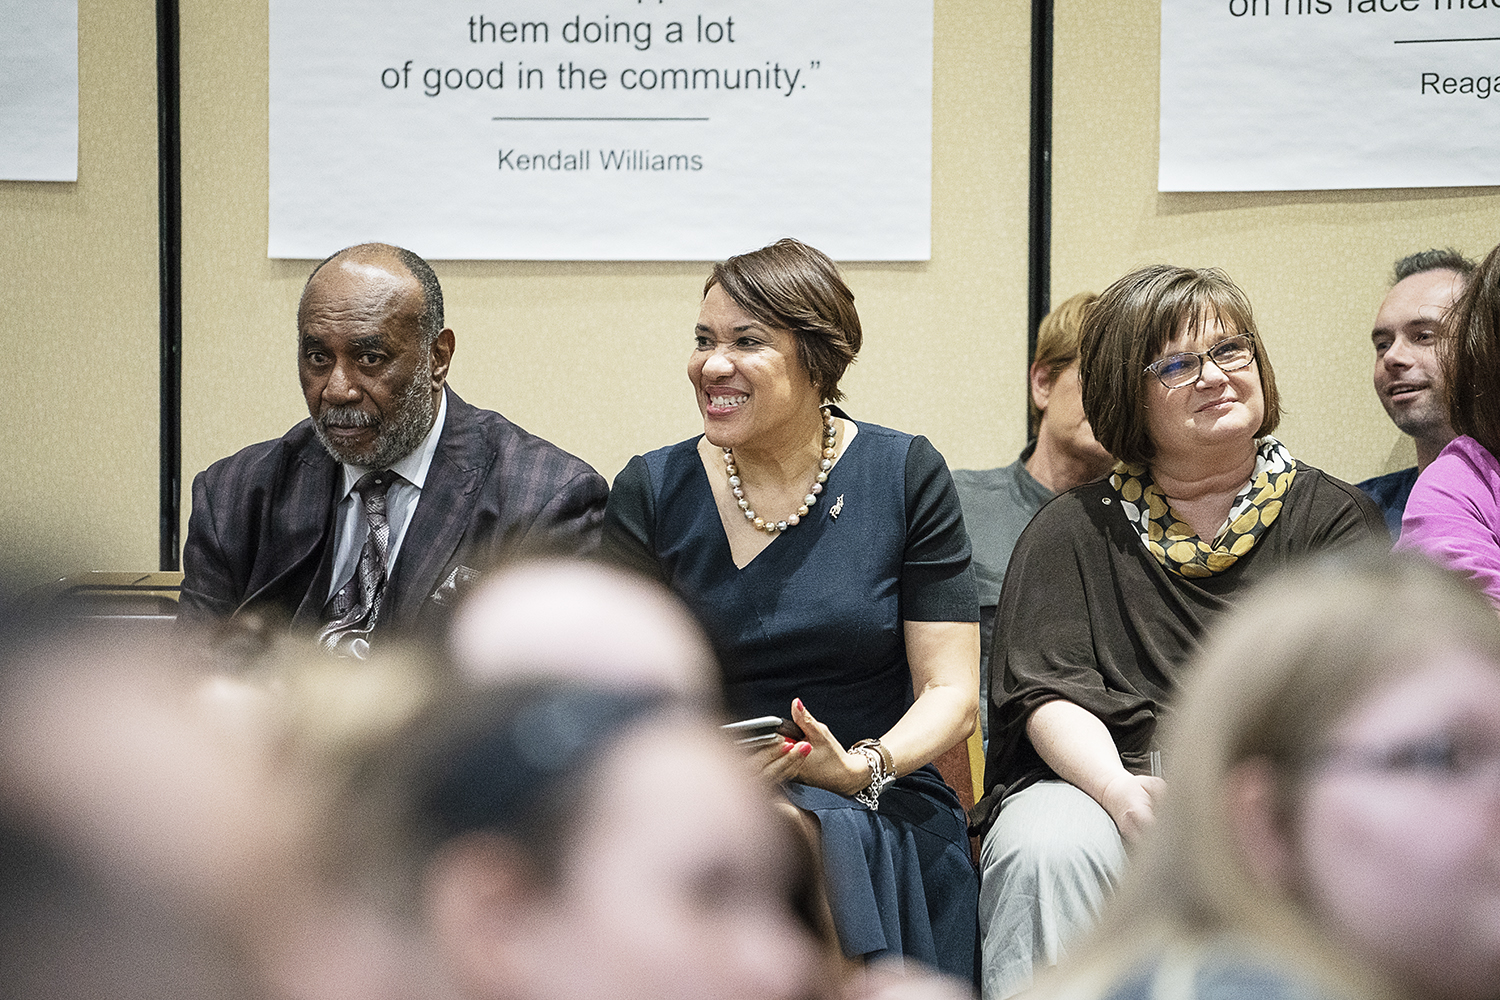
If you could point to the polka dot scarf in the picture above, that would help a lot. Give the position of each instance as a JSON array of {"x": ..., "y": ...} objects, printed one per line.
[{"x": 1173, "y": 543}]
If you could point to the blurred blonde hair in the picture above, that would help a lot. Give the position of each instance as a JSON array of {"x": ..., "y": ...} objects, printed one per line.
[
  {"x": 318, "y": 720},
  {"x": 1273, "y": 679}
]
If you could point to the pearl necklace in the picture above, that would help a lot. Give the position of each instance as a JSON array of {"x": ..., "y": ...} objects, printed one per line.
[{"x": 830, "y": 435}]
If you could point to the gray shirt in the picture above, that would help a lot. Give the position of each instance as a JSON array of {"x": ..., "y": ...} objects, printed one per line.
[{"x": 997, "y": 505}]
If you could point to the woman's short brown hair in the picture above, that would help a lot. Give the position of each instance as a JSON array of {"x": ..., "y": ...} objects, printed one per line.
[
  {"x": 1125, "y": 329},
  {"x": 791, "y": 286},
  {"x": 1471, "y": 356}
]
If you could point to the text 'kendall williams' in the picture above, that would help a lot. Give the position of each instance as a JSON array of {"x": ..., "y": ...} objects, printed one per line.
[{"x": 608, "y": 159}]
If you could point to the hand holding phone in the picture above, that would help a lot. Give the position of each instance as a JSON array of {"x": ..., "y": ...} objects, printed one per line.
[{"x": 763, "y": 731}]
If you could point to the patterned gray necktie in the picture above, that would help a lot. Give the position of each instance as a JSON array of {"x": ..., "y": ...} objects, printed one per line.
[{"x": 351, "y": 613}]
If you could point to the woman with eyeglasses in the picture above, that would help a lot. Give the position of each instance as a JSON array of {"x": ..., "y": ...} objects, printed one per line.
[
  {"x": 1334, "y": 823},
  {"x": 1110, "y": 587}
]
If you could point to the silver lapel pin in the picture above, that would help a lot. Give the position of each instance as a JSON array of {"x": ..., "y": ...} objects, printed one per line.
[{"x": 838, "y": 505}]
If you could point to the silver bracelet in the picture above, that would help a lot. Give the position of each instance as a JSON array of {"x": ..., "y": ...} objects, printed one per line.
[
  {"x": 869, "y": 796},
  {"x": 885, "y": 755}
]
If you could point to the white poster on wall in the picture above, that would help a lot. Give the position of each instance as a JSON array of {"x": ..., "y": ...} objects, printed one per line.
[
  {"x": 601, "y": 129},
  {"x": 39, "y": 90},
  {"x": 1263, "y": 95}
]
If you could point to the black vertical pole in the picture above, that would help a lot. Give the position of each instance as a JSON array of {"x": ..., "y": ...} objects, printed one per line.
[
  {"x": 1039, "y": 234},
  {"x": 169, "y": 261}
]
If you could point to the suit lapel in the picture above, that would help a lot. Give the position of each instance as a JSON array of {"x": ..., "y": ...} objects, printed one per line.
[
  {"x": 298, "y": 561},
  {"x": 443, "y": 512}
]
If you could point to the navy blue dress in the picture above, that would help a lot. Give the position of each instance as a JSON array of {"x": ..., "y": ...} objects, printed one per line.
[{"x": 818, "y": 615}]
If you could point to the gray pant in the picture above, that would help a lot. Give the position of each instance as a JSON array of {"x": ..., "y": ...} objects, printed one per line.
[{"x": 1047, "y": 864}]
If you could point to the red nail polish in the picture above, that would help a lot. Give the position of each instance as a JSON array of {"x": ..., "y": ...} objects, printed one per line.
[
  {"x": 805, "y": 748},
  {"x": 798, "y": 702}
]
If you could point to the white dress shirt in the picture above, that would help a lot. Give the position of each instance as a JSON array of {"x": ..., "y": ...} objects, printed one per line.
[{"x": 350, "y": 526}]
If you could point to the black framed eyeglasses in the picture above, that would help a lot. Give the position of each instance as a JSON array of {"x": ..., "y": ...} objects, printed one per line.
[{"x": 1229, "y": 355}]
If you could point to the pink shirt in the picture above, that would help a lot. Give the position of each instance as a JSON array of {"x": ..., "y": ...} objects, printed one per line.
[{"x": 1453, "y": 516}]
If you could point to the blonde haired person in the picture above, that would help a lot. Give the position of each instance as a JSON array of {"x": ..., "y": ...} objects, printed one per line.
[
  {"x": 1061, "y": 454},
  {"x": 1333, "y": 826}
]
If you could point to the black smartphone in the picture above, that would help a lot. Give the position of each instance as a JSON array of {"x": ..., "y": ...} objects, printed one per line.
[{"x": 754, "y": 733}]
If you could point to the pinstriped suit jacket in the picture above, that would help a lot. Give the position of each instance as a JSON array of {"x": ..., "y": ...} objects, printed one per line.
[{"x": 260, "y": 537}]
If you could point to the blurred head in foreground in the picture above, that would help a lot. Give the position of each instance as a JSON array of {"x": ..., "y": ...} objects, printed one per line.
[
  {"x": 69, "y": 931},
  {"x": 567, "y": 840},
  {"x": 201, "y": 806},
  {"x": 1334, "y": 796},
  {"x": 131, "y": 840},
  {"x": 585, "y": 622},
  {"x": 307, "y": 828}
]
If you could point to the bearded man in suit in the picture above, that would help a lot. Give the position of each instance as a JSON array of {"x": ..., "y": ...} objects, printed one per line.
[{"x": 373, "y": 514}]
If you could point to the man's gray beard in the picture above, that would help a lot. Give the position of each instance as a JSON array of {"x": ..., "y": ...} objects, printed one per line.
[{"x": 398, "y": 436}]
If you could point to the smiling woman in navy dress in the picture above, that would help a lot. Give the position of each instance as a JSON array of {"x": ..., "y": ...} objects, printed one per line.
[{"x": 829, "y": 563}]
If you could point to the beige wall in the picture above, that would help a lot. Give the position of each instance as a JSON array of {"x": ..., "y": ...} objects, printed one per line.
[
  {"x": 593, "y": 355},
  {"x": 78, "y": 325}
]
